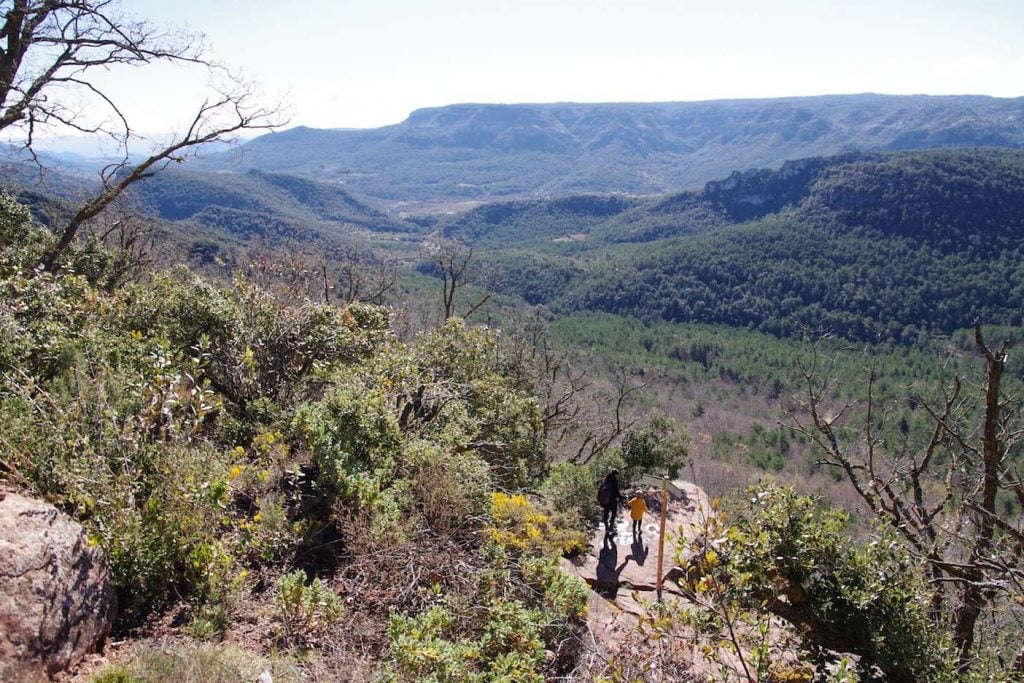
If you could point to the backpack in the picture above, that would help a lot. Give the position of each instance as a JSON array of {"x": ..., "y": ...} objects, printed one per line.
[{"x": 605, "y": 495}]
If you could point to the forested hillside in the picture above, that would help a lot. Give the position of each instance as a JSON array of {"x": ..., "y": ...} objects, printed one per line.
[
  {"x": 260, "y": 454},
  {"x": 187, "y": 195},
  {"x": 501, "y": 151},
  {"x": 215, "y": 216},
  {"x": 285, "y": 485},
  {"x": 869, "y": 247}
]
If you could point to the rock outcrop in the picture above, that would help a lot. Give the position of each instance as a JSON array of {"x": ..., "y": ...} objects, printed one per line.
[
  {"x": 57, "y": 603},
  {"x": 620, "y": 567}
]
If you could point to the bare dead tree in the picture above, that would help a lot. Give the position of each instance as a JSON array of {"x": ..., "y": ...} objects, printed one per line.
[
  {"x": 581, "y": 416},
  {"x": 207, "y": 126},
  {"x": 611, "y": 428},
  {"x": 454, "y": 262},
  {"x": 286, "y": 269},
  {"x": 130, "y": 240},
  {"x": 294, "y": 271},
  {"x": 561, "y": 387},
  {"x": 49, "y": 51},
  {"x": 362, "y": 277},
  {"x": 941, "y": 497}
]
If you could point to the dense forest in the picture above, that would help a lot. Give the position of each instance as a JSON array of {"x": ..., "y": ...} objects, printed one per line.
[{"x": 866, "y": 247}]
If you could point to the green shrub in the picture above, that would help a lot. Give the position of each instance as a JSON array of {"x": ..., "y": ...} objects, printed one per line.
[
  {"x": 660, "y": 447},
  {"x": 164, "y": 535},
  {"x": 354, "y": 440},
  {"x": 564, "y": 595},
  {"x": 252, "y": 347},
  {"x": 22, "y": 242},
  {"x": 306, "y": 609},
  {"x": 791, "y": 553},
  {"x": 521, "y": 604},
  {"x": 496, "y": 417},
  {"x": 437, "y": 646},
  {"x": 571, "y": 490}
]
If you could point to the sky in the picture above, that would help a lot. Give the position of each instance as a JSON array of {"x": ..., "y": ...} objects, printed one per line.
[{"x": 367, "y": 63}]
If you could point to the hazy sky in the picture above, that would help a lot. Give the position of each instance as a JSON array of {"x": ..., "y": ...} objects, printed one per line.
[{"x": 360, "y": 63}]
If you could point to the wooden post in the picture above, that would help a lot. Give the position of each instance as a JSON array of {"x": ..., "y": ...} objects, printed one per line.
[{"x": 661, "y": 534}]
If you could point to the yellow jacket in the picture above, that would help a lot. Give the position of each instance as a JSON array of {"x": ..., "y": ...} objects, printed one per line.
[{"x": 637, "y": 508}]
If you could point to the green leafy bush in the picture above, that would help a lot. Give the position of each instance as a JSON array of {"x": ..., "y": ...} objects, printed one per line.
[
  {"x": 571, "y": 490},
  {"x": 660, "y": 447},
  {"x": 306, "y": 609},
  {"x": 796, "y": 557},
  {"x": 354, "y": 439},
  {"x": 429, "y": 647}
]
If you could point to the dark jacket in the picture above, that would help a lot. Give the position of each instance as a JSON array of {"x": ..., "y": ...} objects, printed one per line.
[{"x": 608, "y": 491}]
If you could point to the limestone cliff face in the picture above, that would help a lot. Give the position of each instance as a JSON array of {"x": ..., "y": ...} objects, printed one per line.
[
  {"x": 56, "y": 600},
  {"x": 746, "y": 195}
]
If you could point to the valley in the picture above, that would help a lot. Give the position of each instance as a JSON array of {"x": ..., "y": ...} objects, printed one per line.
[
  {"x": 718, "y": 293},
  {"x": 361, "y": 350}
]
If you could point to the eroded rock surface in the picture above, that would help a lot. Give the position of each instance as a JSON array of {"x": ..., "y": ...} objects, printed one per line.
[{"x": 57, "y": 603}]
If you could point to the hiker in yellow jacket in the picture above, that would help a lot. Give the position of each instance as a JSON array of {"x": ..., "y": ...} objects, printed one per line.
[{"x": 637, "y": 508}]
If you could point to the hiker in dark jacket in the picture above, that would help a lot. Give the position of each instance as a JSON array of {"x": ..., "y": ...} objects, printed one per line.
[{"x": 608, "y": 497}]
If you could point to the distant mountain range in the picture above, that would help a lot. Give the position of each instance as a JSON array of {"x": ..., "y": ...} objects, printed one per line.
[
  {"x": 866, "y": 245},
  {"x": 490, "y": 151}
]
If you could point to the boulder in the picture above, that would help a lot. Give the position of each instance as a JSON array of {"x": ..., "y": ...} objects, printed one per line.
[{"x": 57, "y": 602}]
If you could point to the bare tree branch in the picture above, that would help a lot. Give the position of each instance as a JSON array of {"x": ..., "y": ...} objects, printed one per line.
[
  {"x": 454, "y": 263},
  {"x": 941, "y": 498},
  {"x": 49, "y": 50}
]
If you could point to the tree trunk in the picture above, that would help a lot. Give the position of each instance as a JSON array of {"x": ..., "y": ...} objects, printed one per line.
[{"x": 972, "y": 597}]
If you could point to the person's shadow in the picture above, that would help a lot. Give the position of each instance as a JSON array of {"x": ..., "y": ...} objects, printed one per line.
[
  {"x": 638, "y": 552},
  {"x": 607, "y": 584},
  {"x": 607, "y": 573}
]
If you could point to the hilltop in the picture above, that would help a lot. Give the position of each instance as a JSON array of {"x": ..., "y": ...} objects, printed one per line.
[{"x": 489, "y": 151}]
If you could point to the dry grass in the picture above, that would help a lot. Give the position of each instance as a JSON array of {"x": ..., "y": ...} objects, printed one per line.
[{"x": 202, "y": 663}]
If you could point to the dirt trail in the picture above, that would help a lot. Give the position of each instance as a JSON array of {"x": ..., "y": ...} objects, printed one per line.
[{"x": 623, "y": 570}]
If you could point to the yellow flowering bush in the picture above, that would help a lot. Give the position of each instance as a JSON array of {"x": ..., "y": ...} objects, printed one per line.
[{"x": 518, "y": 525}]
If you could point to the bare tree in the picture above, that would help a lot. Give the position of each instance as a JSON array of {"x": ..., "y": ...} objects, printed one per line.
[
  {"x": 454, "y": 262},
  {"x": 941, "y": 497},
  {"x": 363, "y": 277},
  {"x": 49, "y": 51},
  {"x": 287, "y": 269},
  {"x": 600, "y": 436},
  {"x": 562, "y": 389},
  {"x": 581, "y": 416},
  {"x": 130, "y": 241}
]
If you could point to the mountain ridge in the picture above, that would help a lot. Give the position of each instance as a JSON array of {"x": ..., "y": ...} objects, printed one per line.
[{"x": 498, "y": 151}]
